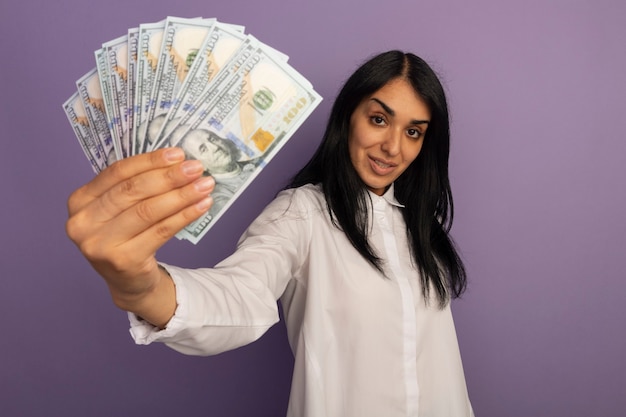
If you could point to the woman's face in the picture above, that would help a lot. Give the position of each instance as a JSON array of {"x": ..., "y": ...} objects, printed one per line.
[{"x": 386, "y": 134}]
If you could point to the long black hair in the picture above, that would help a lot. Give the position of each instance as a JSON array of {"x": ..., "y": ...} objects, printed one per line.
[{"x": 423, "y": 188}]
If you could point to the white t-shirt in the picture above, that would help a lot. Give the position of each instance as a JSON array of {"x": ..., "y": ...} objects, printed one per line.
[{"x": 364, "y": 344}]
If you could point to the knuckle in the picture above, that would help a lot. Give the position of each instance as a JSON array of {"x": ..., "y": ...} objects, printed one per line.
[
  {"x": 100, "y": 253},
  {"x": 73, "y": 202},
  {"x": 75, "y": 226},
  {"x": 121, "y": 263},
  {"x": 171, "y": 177},
  {"x": 163, "y": 231},
  {"x": 128, "y": 187},
  {"x": 71, "y": 229},
  {"x": 76, "y": 200},
  {"x": 145, "y": 211},
  {"x": 191, "y": 214},
  {"x": 155, "y": 157},
  {"x": 91, "y": 249},
  {"x": 185, "y": 193},
  {"x": 108, "y": 205},
  {"x": 117, "y": 170}
]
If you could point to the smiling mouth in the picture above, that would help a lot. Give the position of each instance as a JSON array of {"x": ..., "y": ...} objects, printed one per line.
[{"x": 382, "y": 164}]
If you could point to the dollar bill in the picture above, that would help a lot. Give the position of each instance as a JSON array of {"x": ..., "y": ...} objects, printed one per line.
[
  {"x": 218, "y": 47},
  {"x": 181, "y": 40},
  {"x": 148, "y": 49},
  {"x": 263, "y": 104},
  {"x": 102, "y": 68},
  {"x": 258, "y": 83},
  {"x": 116, "y": 52},
  {"x": 90, "y": 92},
  {"x": 133, "y": 42},
  {"x": 221, "y": 56},
  {"x": 75, "y": 112}
]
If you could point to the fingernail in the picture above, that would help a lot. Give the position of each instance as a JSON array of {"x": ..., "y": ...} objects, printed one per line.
[
  {"x": 174, "y": 155},
  {"x": 204, "y": 184},
  {"x": 205, "y": 203},
  {"x": 192, "y": 167}
]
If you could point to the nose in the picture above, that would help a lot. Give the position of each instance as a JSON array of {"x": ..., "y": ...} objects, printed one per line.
[
  {"x": 210, "y": 147},
  {"x": 392, "y": 143}
]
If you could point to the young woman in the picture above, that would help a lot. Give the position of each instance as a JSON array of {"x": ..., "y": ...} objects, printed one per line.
[{"x": 356, "y": 248}]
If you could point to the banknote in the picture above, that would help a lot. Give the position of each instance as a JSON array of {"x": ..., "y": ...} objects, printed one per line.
[
  {"x": 148, "y": 49},
  {"x": 260, "y": 87},
  {"x": 181, "y": 40},
  {"x": 220, "y": 44},
  {"x": 75, "y": 112},
  {"x": 133, "y": 42},
  {"x": 89, "y": 91},
  {"x": 221, "y": 56},
  {"x": 223, "y": 96},
  {"x": 116, "y": 52},
  {"x": 102, "y": 67},
  {"x": 208, "y": 73},
  {"x": 263, "y": 104}
]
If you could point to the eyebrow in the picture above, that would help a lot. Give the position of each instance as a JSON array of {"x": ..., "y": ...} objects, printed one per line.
[{"x": 393, "y": 113}]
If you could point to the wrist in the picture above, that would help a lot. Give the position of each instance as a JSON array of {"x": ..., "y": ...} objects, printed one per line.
[{"x": 155, "y": 305}]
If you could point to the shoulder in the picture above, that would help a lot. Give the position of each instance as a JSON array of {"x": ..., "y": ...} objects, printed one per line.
[
  {"x": 289, "y": 219},
  {"x": 309, "y": 198},
  {"x": 302, "y": 204}
]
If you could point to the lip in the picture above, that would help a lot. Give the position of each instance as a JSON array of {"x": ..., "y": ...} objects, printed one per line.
[{"x": 381, "y": 170}]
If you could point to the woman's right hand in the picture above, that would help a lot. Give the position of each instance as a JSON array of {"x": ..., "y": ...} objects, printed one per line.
[{"x": 125, "y": 214}]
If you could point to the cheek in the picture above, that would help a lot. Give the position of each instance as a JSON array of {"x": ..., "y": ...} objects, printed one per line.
[
  {"x": 358, "y": 155},
  {"x": 353, "y": 147},
  {"x": 211, "y": 159},
  {"x": 359, "y": 140}
]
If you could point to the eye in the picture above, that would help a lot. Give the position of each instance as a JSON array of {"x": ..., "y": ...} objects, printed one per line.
[
  {"x": 378, "y": 120},
  {"x": 203, "y": 148},
  {"x": 414, "y": 133}
]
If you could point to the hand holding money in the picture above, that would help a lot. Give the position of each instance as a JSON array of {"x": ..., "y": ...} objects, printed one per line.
[
  {"x": 124, "y": 215},
  {"x": 194, "y": 83}
]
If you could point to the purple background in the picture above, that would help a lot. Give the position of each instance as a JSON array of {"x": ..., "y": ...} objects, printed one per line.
[{"x": 538, "y": 97}]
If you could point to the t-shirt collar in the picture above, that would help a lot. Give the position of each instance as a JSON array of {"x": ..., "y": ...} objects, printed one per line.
[{"x": 388, "y": 196}]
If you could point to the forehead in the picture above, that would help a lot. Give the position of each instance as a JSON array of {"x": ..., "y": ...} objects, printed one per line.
[
  {"x": 399, "y": 96},
  {"x": 196, "y": 138}
]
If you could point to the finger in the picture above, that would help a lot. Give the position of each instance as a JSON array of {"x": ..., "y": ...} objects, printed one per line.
[
  {"x": 140, "y": 201},
  {"x": 150, "y": 240},
  {"x": 146, "y": 185},
  {"x": 146, "y": 213},
  {"x": 121, "y": 171},
  {"x": 114, "y": 254},
  {"x": 112, "y": 257}
]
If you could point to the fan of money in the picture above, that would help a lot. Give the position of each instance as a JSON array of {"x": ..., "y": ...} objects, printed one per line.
[{"x": 222, "y": 95}]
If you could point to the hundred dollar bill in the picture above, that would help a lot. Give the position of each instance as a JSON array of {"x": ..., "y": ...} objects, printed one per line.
[
  {"x": 102, "y": 68},
  {"x": 221, "y": 56},
  {"x": 220, "y": 44},
  {"x": 258, "y": 75},
  {"x": 149, "y": 46},
  {"x": 75, "y": 112},
  {"x": 263, "y": 104},
  {"x": 116, "y": 52},
  {"x": 181, "y": 40},
  {"x": 91, "y": 95},
  {"x": 133, "y": 41}
]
